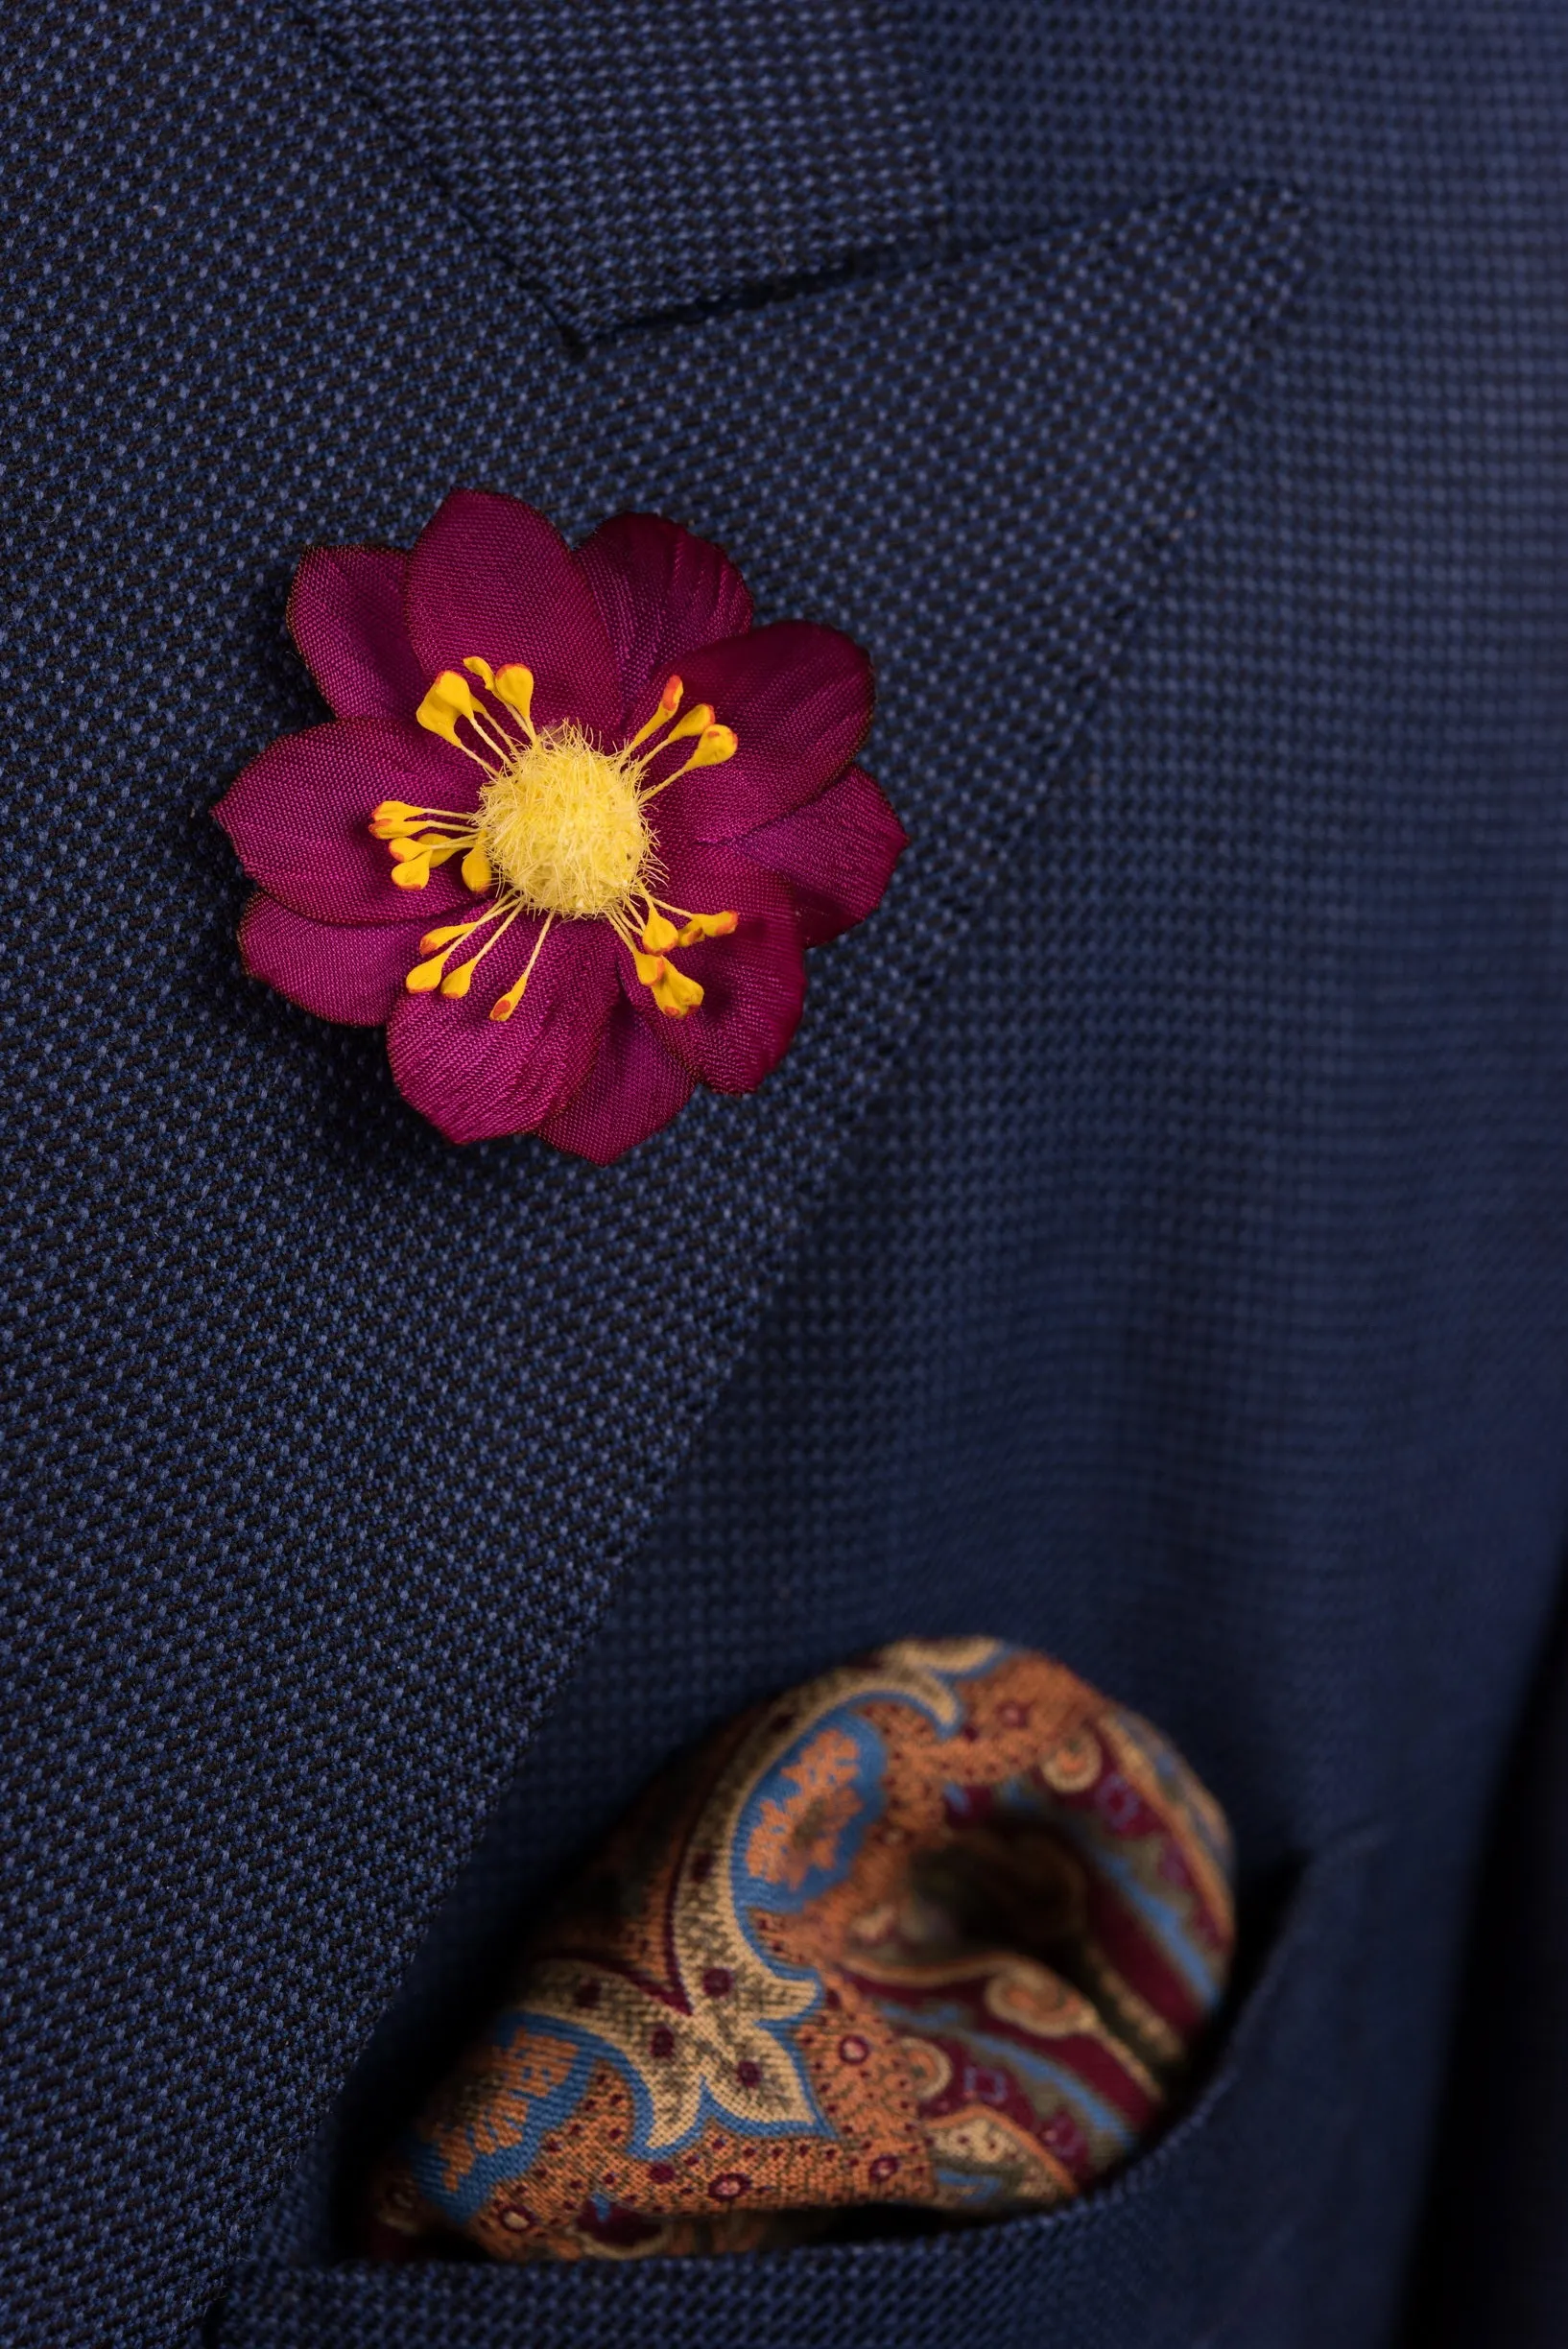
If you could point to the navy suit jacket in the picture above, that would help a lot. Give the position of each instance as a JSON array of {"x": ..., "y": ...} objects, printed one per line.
[{"x": 1154, "y": 1247}]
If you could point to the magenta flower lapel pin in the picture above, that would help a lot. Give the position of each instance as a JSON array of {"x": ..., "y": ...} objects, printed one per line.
[{"x": 573, "y": 824}]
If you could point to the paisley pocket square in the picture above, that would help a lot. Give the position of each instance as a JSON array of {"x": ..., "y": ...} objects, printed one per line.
[{"x": 938, "y": 1929}]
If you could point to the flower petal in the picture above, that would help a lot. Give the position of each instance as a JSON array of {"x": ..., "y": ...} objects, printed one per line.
[
  {"x": 661, "y": 592},
  {"x": 490, "y": 577},
  {"x": 338, "y": 971},
  {"x": 836, "y": 853},
  {"x": 634, "y": 1087},
  {"x": 476, "y": 1077},
  {"x": 753, "y": 980},
  {"x": 800, "y": 698},
  {"x": 345, "y": 612},
  {"x": 298, "y": 816}
]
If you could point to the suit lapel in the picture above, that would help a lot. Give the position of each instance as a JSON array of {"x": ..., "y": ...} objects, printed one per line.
[
  {"x": 628, "y": 162},
  {"x": 344, "y": 1435}
]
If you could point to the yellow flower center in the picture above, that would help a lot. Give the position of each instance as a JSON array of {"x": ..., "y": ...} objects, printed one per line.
[
  {"x": 563, "y": 824},
  {"x": 562, "y": 830}
]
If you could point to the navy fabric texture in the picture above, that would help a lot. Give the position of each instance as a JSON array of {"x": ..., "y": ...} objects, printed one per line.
[
  {"x": 1493, "y": 2264},
  {"x": 628, "y": 157},
  {"x": 1154, "y": 1249}
]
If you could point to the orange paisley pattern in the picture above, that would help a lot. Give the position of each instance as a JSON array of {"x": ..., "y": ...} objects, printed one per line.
[{"x": 939, "y": 1928}]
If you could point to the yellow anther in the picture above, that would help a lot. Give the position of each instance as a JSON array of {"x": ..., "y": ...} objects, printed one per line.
[
  {"x": 698, "y": 719},
  {"x": 707, "y": 926},
  {"x": 718, "y": 743},
  {"x": 448, "y": 699},
  {"x": 669, "y": 702},
  {"x": 460, "y": 981},
  {"x": 676, "y": 995},
  {"x": 658, "y": 933},
  {"x": 511, "y": 683},
  {"x": 414, "y": 874},
  {"x": 476, "y": 868},
  {"x": 713, "y": 745},
  {"x": 404, "y": 849},
  {"x": 425, "y": 977},
  {"x": 514, "y": 686},
  {"x": 391, "y": 817},
  {"x": 650, "y": 968},
  {"x": 447, "y": 935}
]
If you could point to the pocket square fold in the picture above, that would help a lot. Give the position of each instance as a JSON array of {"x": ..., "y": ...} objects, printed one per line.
[{"x": 938, "y": 1929}]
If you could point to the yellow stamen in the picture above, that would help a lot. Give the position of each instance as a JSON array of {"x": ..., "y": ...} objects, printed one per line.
[
  {"x": 511, "y": 683},
  {"x": 458, "y": 981},
  {"x": 559, "y": 829},
  {"x": 448, "y": 699},
  {"x": 714, "y": 744},
  {"x": 707, "y": 926},
  {"x": 391, "y": 817},
  {"x": 718, "y": 743},
  {"x": 506, "y": 1004},
  {"x": 420, "y": 826},
  {"x": 421, "y": 855},
  {"x": 672, "y": 991},
  {"x": 669, "y": 702},
  {"x": 697, "y": 720},
  {"x": 514, "y": 686},
  {"x": 676, "y": 995}
]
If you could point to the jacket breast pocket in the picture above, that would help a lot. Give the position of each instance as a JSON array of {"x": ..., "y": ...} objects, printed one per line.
[{"x": 1201, "y": 2244}]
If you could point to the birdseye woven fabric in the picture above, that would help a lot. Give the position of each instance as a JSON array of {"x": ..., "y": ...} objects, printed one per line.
[
  {"x": 937, "y": 1928},
  {"x": 631, "y": 157}
]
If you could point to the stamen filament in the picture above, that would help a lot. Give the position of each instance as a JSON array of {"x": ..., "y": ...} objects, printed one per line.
[
  {"x": 450, "y": 698},
  {"x": 494, "y": 741},
  {"x": 669, "y": 702},
  {"x": 460, "y": 981},
  {"x": 449, "y": 934},
  {"x": 506, "y": 1004},
  {"x": 512, "y": 684},
  {"x": 394, "y": 817},
  {"x": 715, "y": 745}
]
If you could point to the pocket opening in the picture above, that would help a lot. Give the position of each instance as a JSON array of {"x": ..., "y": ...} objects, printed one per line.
[{"x": 1160, "y": 2253}]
